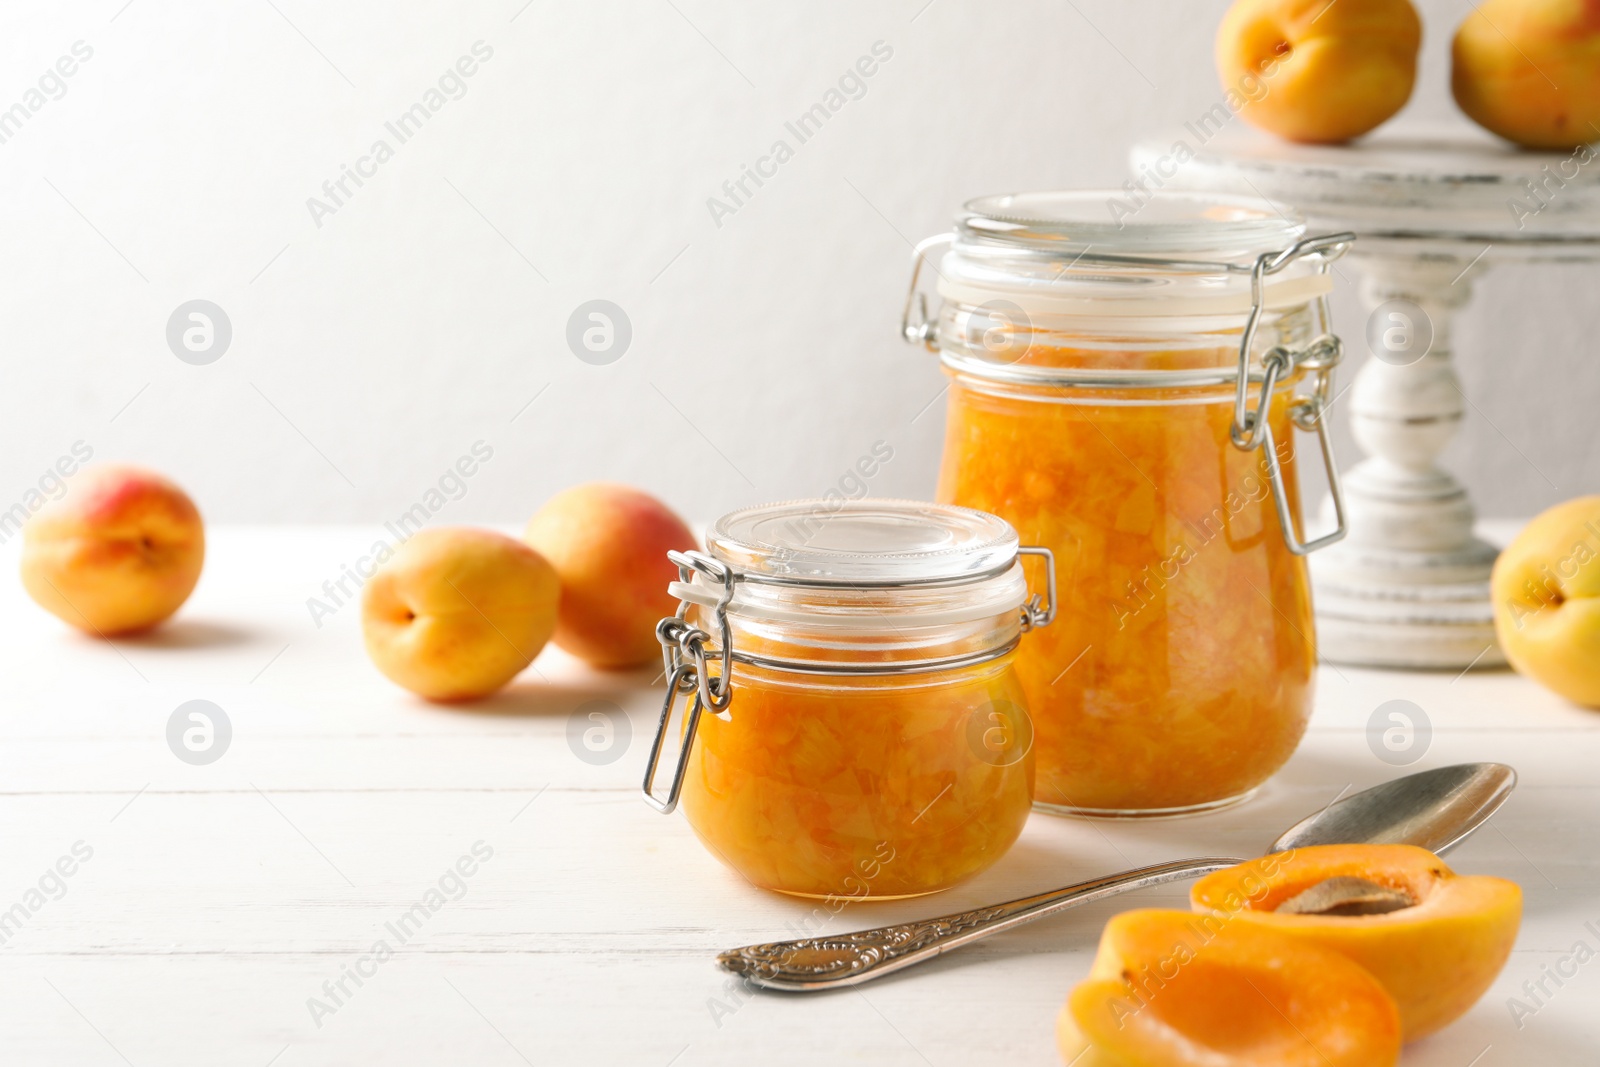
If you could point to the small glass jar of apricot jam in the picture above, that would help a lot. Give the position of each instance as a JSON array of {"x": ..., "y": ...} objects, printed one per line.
[
  {"x": 854, "y": 727},
  {"x": 1125, "y": 388}
]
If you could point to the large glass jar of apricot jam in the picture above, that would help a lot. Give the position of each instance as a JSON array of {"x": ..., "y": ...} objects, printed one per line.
[
  {"x": 1125, "y": 389},
  {"x": 854, "y": 727}
]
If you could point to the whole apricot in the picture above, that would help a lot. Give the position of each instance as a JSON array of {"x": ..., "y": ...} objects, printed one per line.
[
  {"x": 119, "y": 551},
  {"x": 1546, "y": 588},
  {"x": 609, "y": 544},
  {"x": 458, "y": 612},
  {"x": 1318, "y": 71},
  {"x": 1529, "y": 70}
]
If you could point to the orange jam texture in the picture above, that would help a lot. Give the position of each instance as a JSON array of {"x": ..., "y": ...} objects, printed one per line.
[
  {"x": 867, "y": 787},
  {"x": 1178, "y": 671}
]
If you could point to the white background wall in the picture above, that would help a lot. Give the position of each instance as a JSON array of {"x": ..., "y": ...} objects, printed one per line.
[{"x": 372, "y": 351}]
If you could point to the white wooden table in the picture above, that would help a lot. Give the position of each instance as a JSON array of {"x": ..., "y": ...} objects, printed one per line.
[{"x": 220, "y": 898}]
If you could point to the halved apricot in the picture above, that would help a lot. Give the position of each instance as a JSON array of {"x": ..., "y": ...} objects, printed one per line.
[
  {"x": 1436, "y": 952},
  {"x": 1169, "y": 988}
]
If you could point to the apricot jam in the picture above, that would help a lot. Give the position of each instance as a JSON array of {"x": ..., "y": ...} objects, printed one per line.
[
  {"x": 861, "y": 787},
  {"x": 872, "y": 739},
  {"x": 1095, "y": 404},
  {"x": 1179, "y": 669}
]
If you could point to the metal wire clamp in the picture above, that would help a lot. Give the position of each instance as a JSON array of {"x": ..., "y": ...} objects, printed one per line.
[
  {"x": 684, "y": 654},
  {"x": 924, "y": 330},
  {"x": 1251, "y": 429}
]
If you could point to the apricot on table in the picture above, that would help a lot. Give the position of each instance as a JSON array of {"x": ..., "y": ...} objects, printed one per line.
[
  {"x": 459, "y": 612},
  {"x": 119, "y": 551},
  {"x": 1174, "y": 988},
  {"x": 609, "y": 544},
  {"x": 1529, "y": 70},
  {"x": 1319, "y": 72},
  {"x": 1434, "y": 939},
  {"x": 1546, "y": 587}
]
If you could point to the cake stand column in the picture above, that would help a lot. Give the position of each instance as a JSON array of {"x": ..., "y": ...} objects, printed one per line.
[{"x": 1409, "y": 586}]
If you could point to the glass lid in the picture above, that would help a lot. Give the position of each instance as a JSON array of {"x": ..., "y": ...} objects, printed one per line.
[
  {"x": 1198, "y": 226},
  {"x": 1052, "y": 260},
  {"x": 863, "y": 542}
]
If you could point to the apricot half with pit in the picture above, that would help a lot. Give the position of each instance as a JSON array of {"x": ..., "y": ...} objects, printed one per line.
[
  {"x": 1173, "y": 988},
  {"x": 1433, "y": 938}
]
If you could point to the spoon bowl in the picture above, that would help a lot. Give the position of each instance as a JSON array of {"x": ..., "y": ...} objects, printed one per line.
[{"x": 1435, "y": 810}]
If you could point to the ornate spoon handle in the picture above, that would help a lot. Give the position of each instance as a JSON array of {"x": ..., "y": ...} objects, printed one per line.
[{"x": 814, "y": 963}]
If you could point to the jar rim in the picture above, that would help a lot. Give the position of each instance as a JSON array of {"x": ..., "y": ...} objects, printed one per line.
[
  {"x": 1213, "y": 227},
  {"x": 1176, "y": 262},
  {"x": 866, "y": 542}
]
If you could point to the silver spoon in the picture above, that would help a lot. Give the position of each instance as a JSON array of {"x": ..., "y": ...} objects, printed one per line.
[{"x": 1434, "y": 809}]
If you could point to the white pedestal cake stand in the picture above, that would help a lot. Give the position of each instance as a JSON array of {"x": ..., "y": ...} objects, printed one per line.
[{"x": 1409, "y": 586}]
